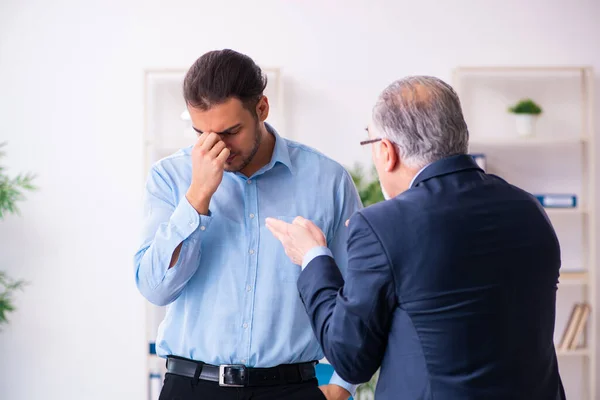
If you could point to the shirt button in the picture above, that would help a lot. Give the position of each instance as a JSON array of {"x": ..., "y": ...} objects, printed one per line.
[
  {"x": 249, "y": 181},
  {"x": 202, "y": 228},
  {"x": 251, "y": 215},
  {"x": 251, "y": 251},
  {"x": 248, "y": 288},
  {"x": 245, "y": 326}
]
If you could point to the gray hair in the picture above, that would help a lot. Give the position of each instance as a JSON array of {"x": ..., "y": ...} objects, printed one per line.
[{"x": 422, "y": 116}]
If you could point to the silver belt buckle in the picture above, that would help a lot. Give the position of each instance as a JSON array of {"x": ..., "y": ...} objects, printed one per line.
[{"x": 222, "y": 374}]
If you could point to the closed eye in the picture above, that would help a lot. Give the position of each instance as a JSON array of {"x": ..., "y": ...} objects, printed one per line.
[
  {"x": 234, "y": 130},
  {"x": 231, "y": 132}
]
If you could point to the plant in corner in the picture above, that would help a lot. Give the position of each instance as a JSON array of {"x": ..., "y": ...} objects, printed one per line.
[
  {"x": 11, "y": 192},
  {"x": 368, "y": 187},
  {"x": 526, "y": 112}
]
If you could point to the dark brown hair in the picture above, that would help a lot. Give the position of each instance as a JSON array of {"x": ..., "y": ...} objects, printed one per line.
[{"x": 219, "y": 75}]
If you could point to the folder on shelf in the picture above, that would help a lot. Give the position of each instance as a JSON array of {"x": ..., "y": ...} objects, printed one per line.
[{"x": 557, "y": 200}]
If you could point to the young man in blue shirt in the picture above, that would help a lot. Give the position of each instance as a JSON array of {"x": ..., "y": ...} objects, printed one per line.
[{"x": 235, "y": 326}]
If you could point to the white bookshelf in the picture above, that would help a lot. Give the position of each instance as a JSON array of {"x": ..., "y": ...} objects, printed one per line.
[
  {"x": 165, "y": 132},
  {"x": 559, "y": 158},
  {"x": 529, "y": 141}
]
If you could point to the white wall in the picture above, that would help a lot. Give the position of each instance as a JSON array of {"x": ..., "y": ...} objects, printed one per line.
[{"x": 71, "y": 80}]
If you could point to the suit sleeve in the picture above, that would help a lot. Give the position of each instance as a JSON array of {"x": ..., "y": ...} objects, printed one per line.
[{"x": 351, "y": 318}]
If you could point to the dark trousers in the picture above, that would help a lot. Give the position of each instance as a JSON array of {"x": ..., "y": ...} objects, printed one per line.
[{"x": 178, "y": 387}]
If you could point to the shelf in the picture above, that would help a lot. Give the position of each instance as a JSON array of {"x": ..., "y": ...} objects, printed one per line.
[
  {"x": 527, "y": 141},
  {"x": 574, "y": 277},
  {"x": 565, "y": 211},
  {"x": 584, "y": 352},
  {"x": 560, "y": 157}
]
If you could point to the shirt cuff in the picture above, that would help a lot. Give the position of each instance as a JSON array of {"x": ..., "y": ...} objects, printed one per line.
[
  {"x": 185, "y": 219},
  {"x": 336, "y": 380},
  {"x": 315, "y": 252}
]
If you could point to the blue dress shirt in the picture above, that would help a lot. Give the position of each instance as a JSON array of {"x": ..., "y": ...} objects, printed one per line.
[{"x": 231, "y": 297}]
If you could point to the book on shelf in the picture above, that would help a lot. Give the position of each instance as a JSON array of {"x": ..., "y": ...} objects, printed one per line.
[
  {"x": 574, "y": 327},
  {"x": 581, "y": 323},
  {"x": 557, "y": 200}
]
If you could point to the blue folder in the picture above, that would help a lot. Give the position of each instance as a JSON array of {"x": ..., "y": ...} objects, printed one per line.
[{"x": 324, "y": 373}]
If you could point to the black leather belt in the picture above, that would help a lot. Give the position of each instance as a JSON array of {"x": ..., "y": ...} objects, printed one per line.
[{"x": 234, "y": 375}]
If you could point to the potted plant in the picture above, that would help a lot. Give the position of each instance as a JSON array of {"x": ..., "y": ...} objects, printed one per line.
[
  {"x": 11, "y": 191},
  {"x": 526, "y": 112},
  {"x": 368, "y": 187}
]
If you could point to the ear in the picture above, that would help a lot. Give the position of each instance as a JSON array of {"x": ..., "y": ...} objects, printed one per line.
[
  {"x": 262, "y": 108},
  {"x": 389, "y": 155}
]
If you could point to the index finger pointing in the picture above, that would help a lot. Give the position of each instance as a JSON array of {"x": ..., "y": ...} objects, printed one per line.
[{"x": 276, "y": 225}]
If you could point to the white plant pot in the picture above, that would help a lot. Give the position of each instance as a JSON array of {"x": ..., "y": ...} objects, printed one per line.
[{"x": 526, "y": 124}]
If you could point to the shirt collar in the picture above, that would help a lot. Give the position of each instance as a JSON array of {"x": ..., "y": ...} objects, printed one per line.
[
  {"x": 281, "y": 151},
  {"x": 444, "y": 166},
  {"x": 415, "y": 177}
]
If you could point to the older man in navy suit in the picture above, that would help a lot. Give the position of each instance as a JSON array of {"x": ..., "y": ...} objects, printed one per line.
[{"x": 451, "y": 283}]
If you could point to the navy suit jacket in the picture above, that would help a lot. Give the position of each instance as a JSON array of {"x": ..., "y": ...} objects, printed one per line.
[{"x": 450, "y": 289}]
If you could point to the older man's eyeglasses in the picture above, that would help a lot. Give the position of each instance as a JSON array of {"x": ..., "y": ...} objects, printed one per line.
[{"x": 370, "y": 141}]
